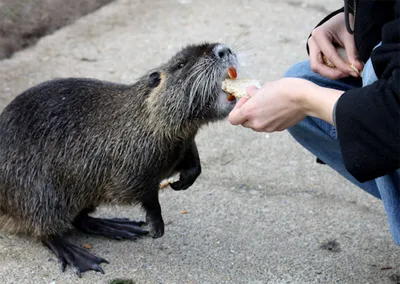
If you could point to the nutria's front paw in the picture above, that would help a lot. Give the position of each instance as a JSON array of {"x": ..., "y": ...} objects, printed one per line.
[
  {"x": 180, "y": 185},
  {"x": 186, "y": 179}
]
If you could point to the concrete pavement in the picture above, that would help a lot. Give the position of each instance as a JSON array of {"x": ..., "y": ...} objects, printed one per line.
[{"x": 262, "y": 207}]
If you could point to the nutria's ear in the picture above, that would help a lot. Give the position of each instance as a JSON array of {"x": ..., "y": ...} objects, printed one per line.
[{"x": 154, "y": 79}]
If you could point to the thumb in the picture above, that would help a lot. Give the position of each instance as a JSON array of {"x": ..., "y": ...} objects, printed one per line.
[{"x": 351, "y": 52}]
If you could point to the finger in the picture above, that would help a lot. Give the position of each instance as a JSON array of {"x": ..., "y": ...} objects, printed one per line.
[
  {"x": 324, "y": 43},
  {"x": 350, "y": 47},
  {"x": 237, "y": 116},
  {"x": 253, "y": 126},
  {"x": 318, "y": 64},
  {"x": 351, "y": 52},
  {"x": 241, "y": 102},
  {"x": 250, "y": 124},
  {"x": 251, "y": 90}
]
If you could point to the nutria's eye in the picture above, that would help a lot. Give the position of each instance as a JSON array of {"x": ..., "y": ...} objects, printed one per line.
[{"x": 180, "y": 65}]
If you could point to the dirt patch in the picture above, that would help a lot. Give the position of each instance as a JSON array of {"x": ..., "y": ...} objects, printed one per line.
[
  {"x": 23, "y": 22},
  {"x": 331, "y": 245}
]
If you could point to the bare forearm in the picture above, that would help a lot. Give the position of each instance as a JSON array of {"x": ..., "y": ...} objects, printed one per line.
[
  {"x": 281, "y": 104},
  {"x": 319, "y": 102}
]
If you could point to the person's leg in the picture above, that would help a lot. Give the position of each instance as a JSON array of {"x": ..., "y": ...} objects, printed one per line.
[
  {"x": 319, "y": 137},
  {"x": 388, "y": 185},
  {"x": 389, "y": 188}
]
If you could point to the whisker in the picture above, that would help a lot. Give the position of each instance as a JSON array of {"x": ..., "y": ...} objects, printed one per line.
[
  {"x": 196, "y": 84},
  {"x": 198, "y": 68},
  {"x": 237, "y": 40},
  {"x": 202, "y": 83},
  {"x": 210, "y": 81},
  {"x": 247, "y": 46}
]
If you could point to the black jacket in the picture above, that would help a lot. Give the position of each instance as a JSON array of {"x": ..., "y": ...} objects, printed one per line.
[{"x": 368, "y": 118}]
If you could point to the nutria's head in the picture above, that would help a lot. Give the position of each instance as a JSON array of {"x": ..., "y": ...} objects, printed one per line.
[{"x": 186, "y": 91}]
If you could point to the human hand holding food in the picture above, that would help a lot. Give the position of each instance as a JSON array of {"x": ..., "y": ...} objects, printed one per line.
[
  {"x": 283, "y": 103},
  {"x": 326, "y": 46}
]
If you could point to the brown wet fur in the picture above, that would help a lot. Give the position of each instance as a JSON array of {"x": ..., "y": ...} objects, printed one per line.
[{"x": 70, "y": 145}]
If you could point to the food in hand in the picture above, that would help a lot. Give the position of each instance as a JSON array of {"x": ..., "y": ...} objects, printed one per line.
[
  {"x": 342, "y": 53},
  {"x": 237, "y": 88}
]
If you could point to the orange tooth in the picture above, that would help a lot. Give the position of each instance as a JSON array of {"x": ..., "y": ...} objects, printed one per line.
[
  {"x": 231, "y": 98},
  {"x": 232, "y": 73}
]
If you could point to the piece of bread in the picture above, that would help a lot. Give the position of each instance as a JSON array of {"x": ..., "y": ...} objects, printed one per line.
[
  {"x": 342, "y": 53},
  {"x": 238, "y": 87},
  {"x": 166, "y": 182}
]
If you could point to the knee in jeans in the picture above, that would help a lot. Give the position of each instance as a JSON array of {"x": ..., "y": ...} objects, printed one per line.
[{"x": 299, "y": 70}]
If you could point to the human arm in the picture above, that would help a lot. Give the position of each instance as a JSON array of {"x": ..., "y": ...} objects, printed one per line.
[
  {"x": 368, "y": 118},
  {"x": 283, "y": 103}
]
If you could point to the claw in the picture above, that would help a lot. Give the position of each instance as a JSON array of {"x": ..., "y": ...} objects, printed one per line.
[
  {"x": 78, "y": 258},
  {"x": 104, "y": 261},
  {"x": 98, "y": 268}
]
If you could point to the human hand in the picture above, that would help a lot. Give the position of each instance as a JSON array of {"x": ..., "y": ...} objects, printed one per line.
[
  {"x": 274, "y": 107},
  {"x": 322, "y": 42},
  {"x": 281, "y": 104}
]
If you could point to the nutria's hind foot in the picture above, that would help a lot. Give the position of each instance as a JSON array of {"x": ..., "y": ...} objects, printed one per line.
[
  {"x": 78, "y": 258},
  {"x": 118, "y": 228}
]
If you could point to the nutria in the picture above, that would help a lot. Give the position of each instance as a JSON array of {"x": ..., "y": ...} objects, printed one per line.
[{"x": 70, "y": 145}]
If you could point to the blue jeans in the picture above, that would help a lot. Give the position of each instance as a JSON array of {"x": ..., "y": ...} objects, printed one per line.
[{"x": 319, "y": 137}]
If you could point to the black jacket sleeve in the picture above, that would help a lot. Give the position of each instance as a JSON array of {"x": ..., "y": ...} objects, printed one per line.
[{"x": 368, "y": 118}]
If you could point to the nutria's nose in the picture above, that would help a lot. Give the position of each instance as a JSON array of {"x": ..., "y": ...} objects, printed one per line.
[{"x": 222, "y": 51}]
